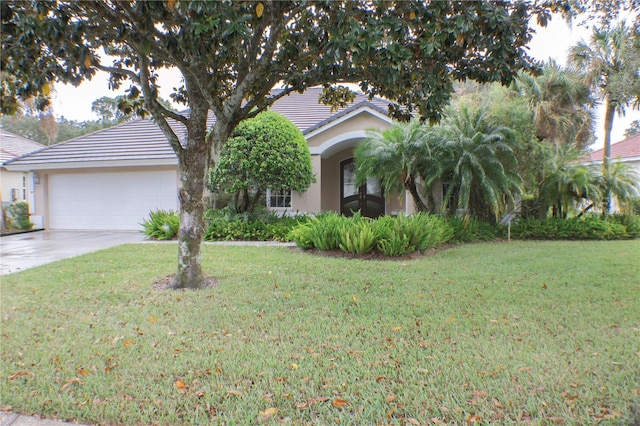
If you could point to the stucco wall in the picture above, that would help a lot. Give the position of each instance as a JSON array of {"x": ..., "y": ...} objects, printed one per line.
[{"x": 10, "y": 180}]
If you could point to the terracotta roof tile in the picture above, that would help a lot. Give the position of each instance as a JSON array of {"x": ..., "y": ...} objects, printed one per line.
[{"x": 626, "y": 148}]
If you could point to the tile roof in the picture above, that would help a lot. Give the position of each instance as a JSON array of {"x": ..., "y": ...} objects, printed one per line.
[
  {"x": 12, "y": 146},
  {"x": 626, "y": 148},
  {"x": 142, "y": 139}
]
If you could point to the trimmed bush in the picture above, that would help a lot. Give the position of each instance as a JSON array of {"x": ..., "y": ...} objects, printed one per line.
[
  {"x": 19, "y": 215},
  {"x": 161, "y": 225}
]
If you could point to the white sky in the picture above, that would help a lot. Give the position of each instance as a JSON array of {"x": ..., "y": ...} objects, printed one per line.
[{"x": 74, "y": 103}]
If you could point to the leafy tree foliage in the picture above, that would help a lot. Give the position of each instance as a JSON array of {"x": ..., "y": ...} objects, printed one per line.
[
  {"x": 267, "y": 151},
  {"x": 231, "y": 55},
  {"x": 634, "y": 129}
]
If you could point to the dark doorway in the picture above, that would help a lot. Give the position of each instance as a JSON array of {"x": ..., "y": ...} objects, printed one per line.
[{"x": 368, "y": 198}]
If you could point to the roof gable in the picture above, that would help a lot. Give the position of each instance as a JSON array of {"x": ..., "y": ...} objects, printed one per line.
[
  {"x": 13, "y": 146},
  {"x": 141, "y": 141}
]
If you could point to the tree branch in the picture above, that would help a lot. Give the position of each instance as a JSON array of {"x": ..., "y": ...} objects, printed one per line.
[{"x": 159, "y": 112}]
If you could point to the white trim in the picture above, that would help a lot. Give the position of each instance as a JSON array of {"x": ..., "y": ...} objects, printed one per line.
[
  {"x": 327, "y": 149},
  {"x": 89, "y": 165},
  {"x": 333, "y": 123}
]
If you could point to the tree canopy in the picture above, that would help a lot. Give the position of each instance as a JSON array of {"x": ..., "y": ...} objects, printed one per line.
[
  {"x": 232, "y": 54},
  {"x": 267, "y": 151}
]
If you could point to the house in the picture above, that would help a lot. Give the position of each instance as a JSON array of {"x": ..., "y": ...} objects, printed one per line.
[
  {"x": 15, "y": 185},
  {"x": 626, "y": 151},
  {"x": 113, "y": 178}
]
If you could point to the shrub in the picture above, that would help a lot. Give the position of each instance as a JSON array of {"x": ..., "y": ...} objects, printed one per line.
[
  {"x": 467, "y": 230},
  {"x": 586, "y": 228},
  {"x": 357, "y": 235},
  {"x": 161, "y": 225},
  {"x": 19, "y": 215},
  {"x": 630, "y": 222},
  {"x": 257, "y": 226},
  {"x": 392, "y": 236}
]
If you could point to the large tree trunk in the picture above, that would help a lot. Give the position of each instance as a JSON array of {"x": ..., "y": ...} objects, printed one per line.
[
  {"x": 193, "y": 165},
  {"x": 608, "y": 125},
  {"x": 606, "y": 157}
]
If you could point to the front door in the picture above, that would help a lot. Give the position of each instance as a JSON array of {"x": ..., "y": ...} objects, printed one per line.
[{"x": 367, "y": 198}]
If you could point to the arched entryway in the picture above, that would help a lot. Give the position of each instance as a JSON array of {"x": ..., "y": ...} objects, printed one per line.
[{"x": 367, "y": 198}]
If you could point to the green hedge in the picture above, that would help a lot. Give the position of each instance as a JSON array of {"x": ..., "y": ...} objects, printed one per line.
[
  {"x": 585, "y": 228},
  {"x": 263, "y": 226}
]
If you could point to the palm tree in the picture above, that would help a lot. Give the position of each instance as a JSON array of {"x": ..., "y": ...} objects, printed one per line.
[
  {"x": 479, "y": 162},
  {"x": 566, "y": 183},
  {"x": 401, "y": 157},
  {"x": 561, "y": 104},
  {"x": 611, "y": 61},
  {"x": 620, "y": 181}
]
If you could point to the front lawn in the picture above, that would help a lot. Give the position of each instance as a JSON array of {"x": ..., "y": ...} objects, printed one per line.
[{"x": 507, "y": 333}]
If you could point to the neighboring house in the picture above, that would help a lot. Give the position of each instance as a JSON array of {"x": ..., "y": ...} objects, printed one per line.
[
  {"x": 626, "y": 151},
  {"x": 15, "y": 185},
  {"x": 113, "y": 178}
]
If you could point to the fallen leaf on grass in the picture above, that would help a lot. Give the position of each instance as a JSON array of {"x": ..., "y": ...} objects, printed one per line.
[
  {"x": 180, "y": 384},
  {"x": 21, "y": 374},
  {"x": 82, "y": 372},
  {"x": 474, "y": 419},
  {"x": 339, "y": 402},
  {"x": 234, "y": 393},
  {"x": 269, "y": 412},
  {"x": 128, "y": 342},
  {"x": 390, "y": 398},
  {"x": 153, "y": 319},
  {"x": 71, "y": 382}
]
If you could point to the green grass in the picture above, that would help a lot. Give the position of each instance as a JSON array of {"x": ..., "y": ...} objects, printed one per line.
[{"x": 507, "y": 333}]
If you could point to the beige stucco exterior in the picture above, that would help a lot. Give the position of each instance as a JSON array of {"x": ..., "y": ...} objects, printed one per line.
[
  {"x": 14, "y": 186},
  {"x": 330, "y": 145}
]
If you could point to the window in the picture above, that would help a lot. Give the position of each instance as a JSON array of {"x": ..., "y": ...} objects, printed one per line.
[
  {"x": 279, "y": 199},
  {"x": 24, "y": 188}
]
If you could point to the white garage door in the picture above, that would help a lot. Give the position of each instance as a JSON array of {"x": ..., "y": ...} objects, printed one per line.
[{"x": 109, "y": 201}]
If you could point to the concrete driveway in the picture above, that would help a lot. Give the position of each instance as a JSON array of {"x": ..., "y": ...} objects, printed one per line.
[{"x": 22, "y": 251}]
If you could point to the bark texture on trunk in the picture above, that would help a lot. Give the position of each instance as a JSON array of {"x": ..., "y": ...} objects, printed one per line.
[
  {"x": 608, "y": 125},
  {"x": 193, "y": 166},
  {"x": 606, "y": 158},
  {"x": 410, "y": 185}
]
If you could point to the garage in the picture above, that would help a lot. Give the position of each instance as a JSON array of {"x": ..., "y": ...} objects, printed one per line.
[{"x": 117, "y": 200}]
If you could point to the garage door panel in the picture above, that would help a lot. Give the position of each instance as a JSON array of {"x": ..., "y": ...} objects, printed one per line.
[{"x": 109, "y": 200}]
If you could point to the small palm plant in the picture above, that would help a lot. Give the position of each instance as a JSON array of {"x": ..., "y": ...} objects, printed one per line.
[{"x": 480, "y": 162}]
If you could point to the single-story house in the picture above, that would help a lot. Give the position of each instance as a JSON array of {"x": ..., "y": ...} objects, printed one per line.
[
  {"x": 113, "y": 178},
  {"x": 15, "y": 185}
]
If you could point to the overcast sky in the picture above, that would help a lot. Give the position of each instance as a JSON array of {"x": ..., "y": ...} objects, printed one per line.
[{"x": 74, "y": 103}]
